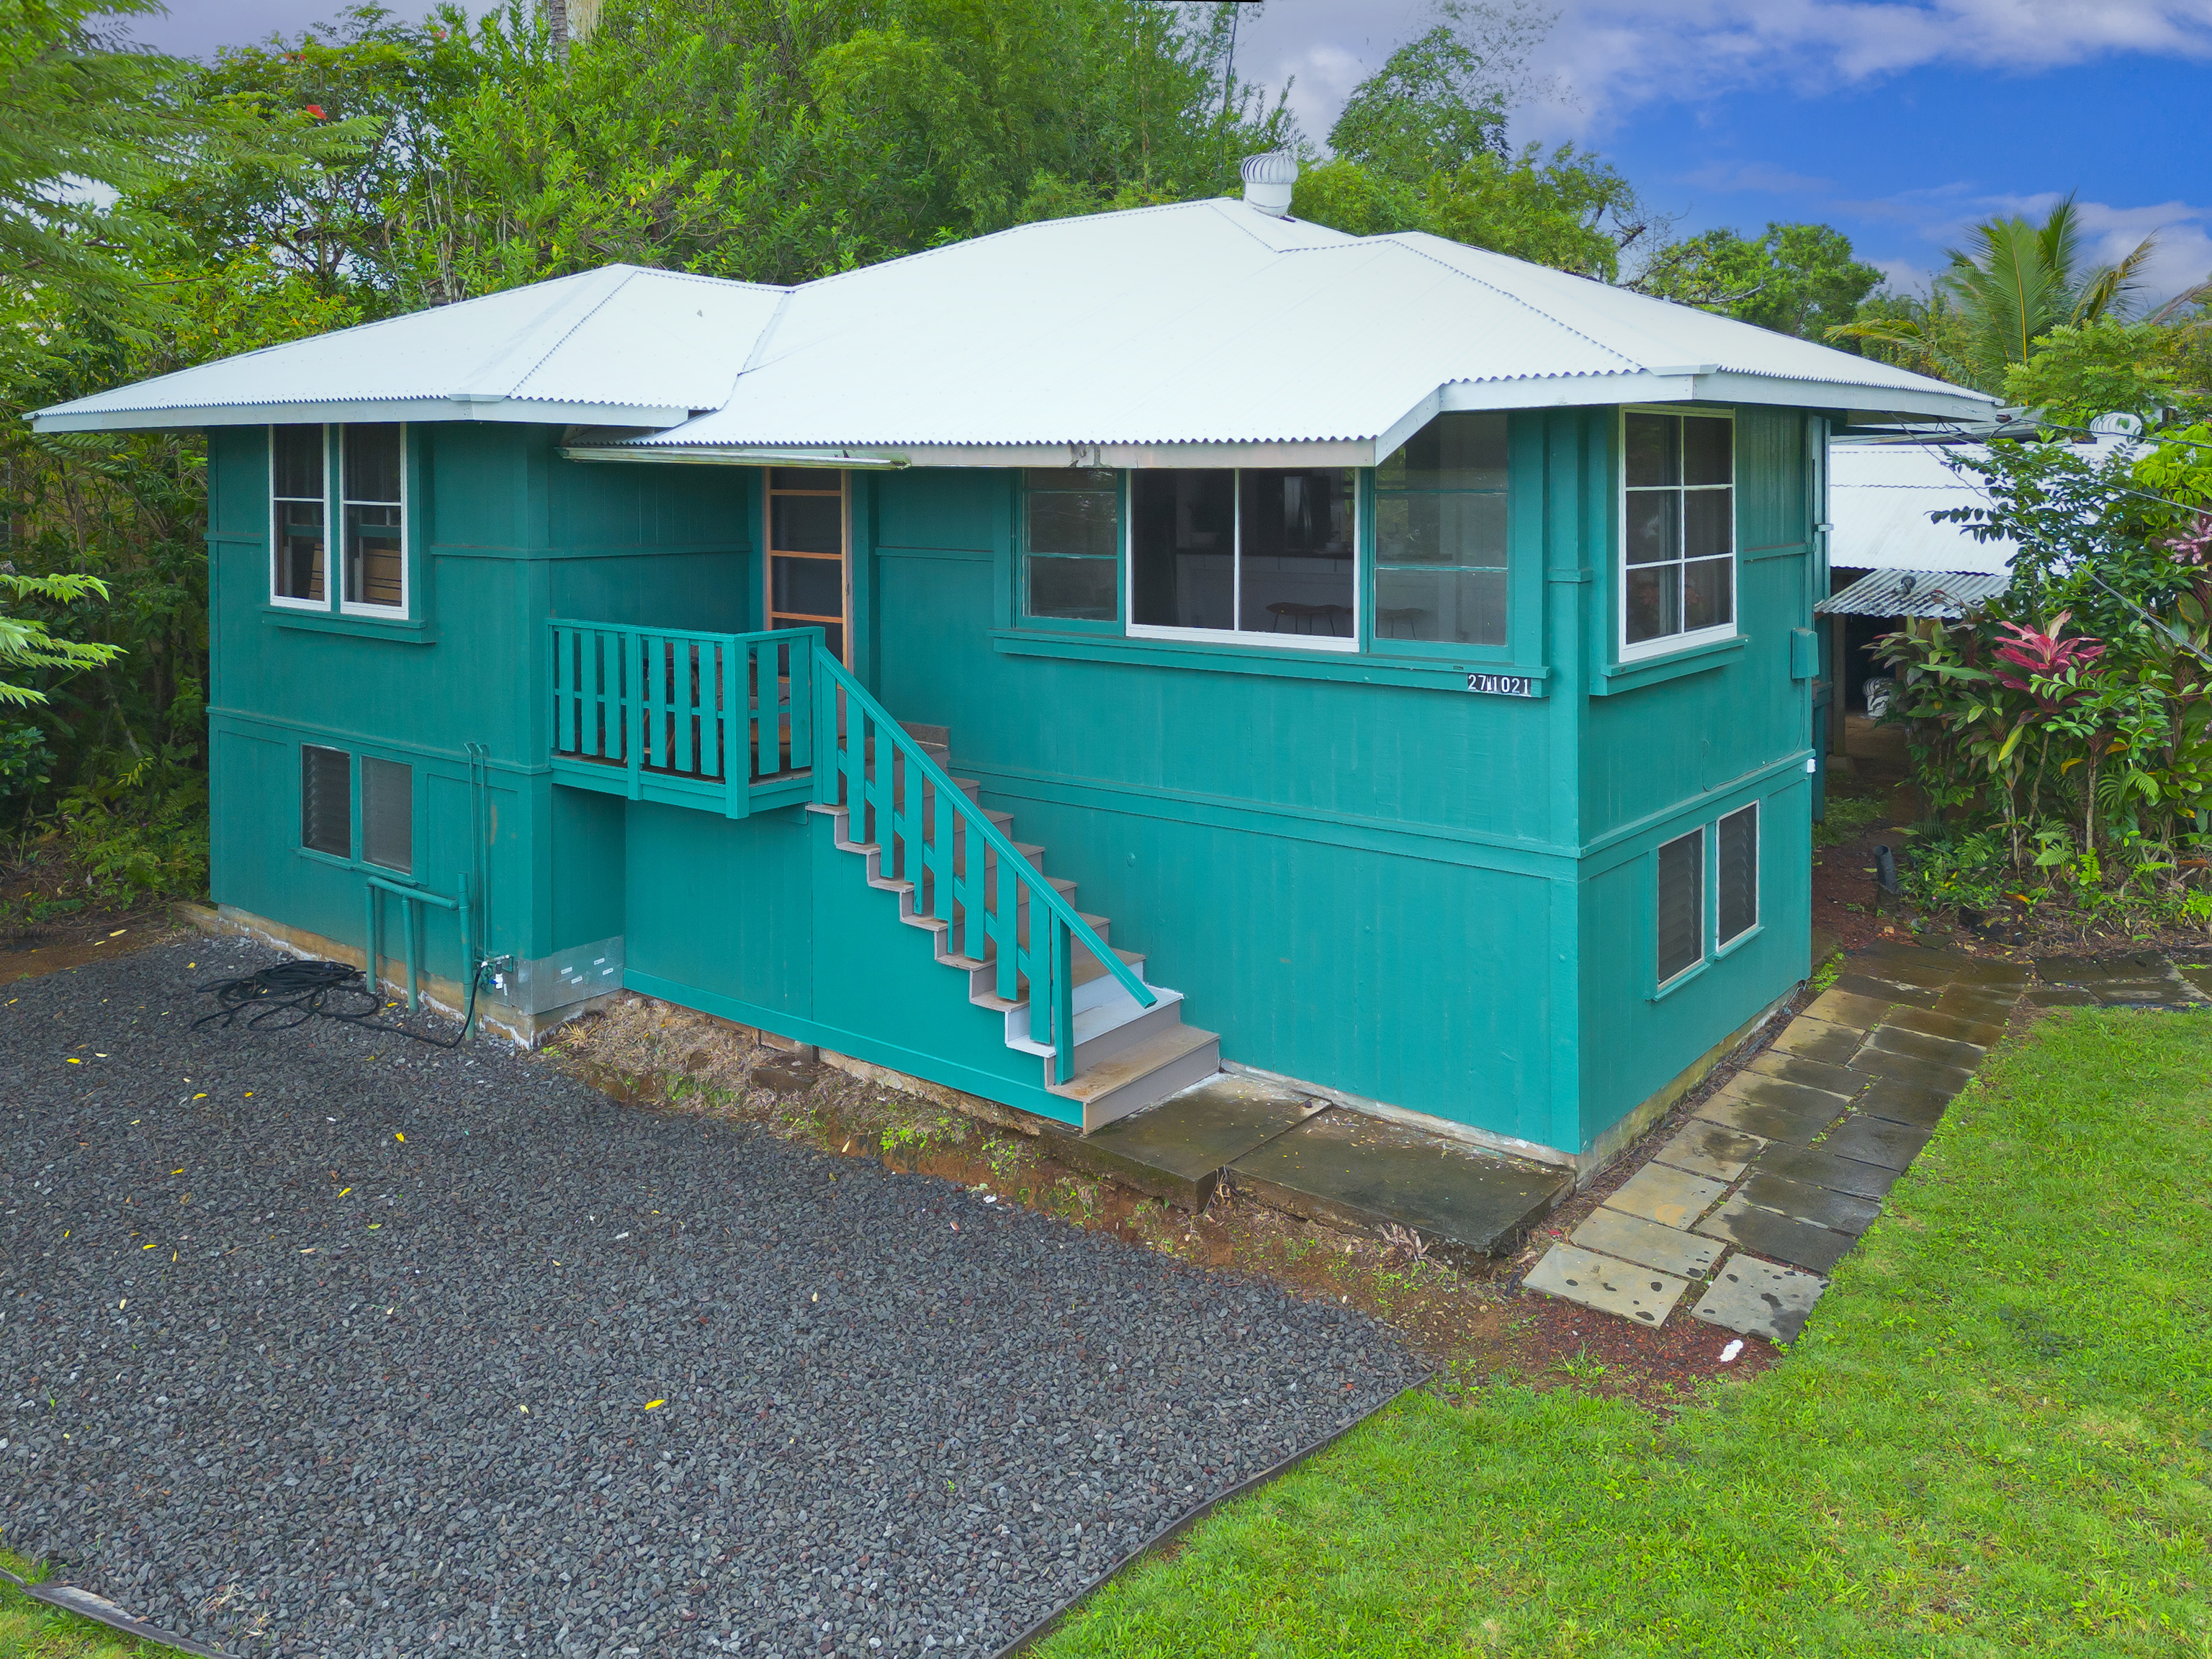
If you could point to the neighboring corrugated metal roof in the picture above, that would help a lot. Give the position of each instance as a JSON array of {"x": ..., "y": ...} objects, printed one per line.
[
  {"x": 1915, "y": 593},
  {"x": 1201, "y": 323},
  {"x": 1881, "y": 495}
]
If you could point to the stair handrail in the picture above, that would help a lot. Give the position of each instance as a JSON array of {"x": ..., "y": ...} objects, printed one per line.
[{"x": 1066, "y": 925}]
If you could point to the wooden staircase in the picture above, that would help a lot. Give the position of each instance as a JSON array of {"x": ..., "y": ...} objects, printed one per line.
[{"x": 1126, "y": 1056}]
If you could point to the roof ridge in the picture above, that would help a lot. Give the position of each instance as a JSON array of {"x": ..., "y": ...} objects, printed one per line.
[
  {"x": 628, "y": 274},
  {"x": 1396, "y": 239},
  {"x": 991, "y": 236}
]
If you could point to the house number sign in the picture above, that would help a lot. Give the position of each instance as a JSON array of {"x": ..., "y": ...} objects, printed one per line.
[{"x": 1501, "y": 686}]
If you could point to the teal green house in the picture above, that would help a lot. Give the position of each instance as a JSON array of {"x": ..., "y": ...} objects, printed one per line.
[{"x": 1057, "y": 667}]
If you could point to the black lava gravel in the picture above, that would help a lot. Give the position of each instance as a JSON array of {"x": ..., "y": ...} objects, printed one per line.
[{"x": 323, "y": 1342}]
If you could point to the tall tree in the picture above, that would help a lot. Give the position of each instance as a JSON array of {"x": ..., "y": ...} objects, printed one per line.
[
  {"x": 1796, "y": 279},
  {"x": 2013, "y": 282}
]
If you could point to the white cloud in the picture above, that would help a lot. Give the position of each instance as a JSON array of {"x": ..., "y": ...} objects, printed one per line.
[
  {"x": 1618, "y": 54},
  {"x": 1942, "y": 215}
]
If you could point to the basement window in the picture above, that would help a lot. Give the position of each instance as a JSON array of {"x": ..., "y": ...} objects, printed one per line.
[
  {"x": 1265, "y": 554},
  {"x": 387, "y": 814},
  {"x": 1737, "y": 876},
  {"x": 1677, "y": 530},
  {"x": 326, "y": 800},
  {"x": 1681, "y": 905}
]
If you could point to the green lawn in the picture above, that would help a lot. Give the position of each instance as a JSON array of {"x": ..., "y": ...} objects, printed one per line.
[
  {"x": 31, "y": 1630},
  {"x": 1996, "y": 1438}
]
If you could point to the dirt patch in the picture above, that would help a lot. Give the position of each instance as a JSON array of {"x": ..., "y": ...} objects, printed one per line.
[
  {"x": 1468, "y": 1319},
  {"x": 32, "y": 949}
]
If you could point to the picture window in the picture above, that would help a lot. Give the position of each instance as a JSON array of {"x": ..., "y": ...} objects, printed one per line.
[{"x": 1267, "y": 555}]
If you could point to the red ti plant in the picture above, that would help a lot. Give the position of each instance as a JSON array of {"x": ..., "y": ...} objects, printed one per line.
[{"x": 2054, "y": 667}]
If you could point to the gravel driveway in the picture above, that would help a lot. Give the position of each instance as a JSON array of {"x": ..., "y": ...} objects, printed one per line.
[{"x": 326, "y": 1343}]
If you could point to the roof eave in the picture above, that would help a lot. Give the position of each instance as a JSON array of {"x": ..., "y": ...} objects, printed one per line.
[
  {"x": 458, "y": 407},
  {"x": 1705, "y": 383}
]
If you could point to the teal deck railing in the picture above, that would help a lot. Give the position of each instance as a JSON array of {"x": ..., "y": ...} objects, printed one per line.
[
  {"x": 964, "y": 871},
  {"x": 660, "y": 713}
]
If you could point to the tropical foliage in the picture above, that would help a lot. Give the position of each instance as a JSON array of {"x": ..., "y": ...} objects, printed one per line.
[{"x": 2063, "y": 732}]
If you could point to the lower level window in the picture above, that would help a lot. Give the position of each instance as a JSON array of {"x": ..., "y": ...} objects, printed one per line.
[
  {"x": 1681, "y": 905},
  {"x": 326, "y": 800},
  {"x": 387, "y": 814},
  {"x": 1737, "y": 896},
  {"x": 1266, "y": 553}
]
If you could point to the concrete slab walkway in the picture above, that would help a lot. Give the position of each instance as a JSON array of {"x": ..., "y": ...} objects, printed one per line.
[{"x": 1748, "y": 1206}]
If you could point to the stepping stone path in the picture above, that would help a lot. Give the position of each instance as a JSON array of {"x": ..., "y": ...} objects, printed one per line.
[{"x": 1748, "y": 1206}]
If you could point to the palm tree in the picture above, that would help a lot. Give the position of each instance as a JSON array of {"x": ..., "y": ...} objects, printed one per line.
[{"x": 2012, "y": 283}]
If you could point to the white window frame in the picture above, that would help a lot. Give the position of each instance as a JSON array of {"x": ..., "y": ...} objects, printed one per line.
[
  {"x": 283, "y": 601},
  {"x": 1756, "y": 809},
  {"x": 1668, "y": 644},
  {"x": 335, "y": 486},
  {"x": 1137, "y": 630}
]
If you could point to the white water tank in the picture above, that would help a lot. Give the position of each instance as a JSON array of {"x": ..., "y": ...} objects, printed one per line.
[{"x": 1268, "y": 180}]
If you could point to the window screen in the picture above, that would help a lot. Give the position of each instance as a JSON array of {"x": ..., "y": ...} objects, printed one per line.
[
  {"x": 326, "y": 800},
  {"x": 1739, "y": 873},
  {"x": 295, "y": 479},
  {"x": 1072, "y": 542},
  {"x": 374, "y": 546},
  {"x": 1681, "y": 904},
  {"x": 1440, "y": 534},
  {"x": 1679, "y": 525},
  {"x": 387, "y": 814}
]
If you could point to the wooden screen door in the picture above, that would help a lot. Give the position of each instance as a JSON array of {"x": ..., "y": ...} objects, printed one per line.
[{"x": 810, "y": 577}]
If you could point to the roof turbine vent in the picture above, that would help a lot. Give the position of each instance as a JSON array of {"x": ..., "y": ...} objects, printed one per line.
[{"x": 1268, "y": 182}]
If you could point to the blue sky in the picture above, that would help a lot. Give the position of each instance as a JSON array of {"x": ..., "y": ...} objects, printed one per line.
[{"x": 1898, "y": 121}]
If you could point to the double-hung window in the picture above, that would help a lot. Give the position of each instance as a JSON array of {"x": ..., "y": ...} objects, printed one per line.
[
  {"x": 1440, "y": 540},
  {"x": 1701, "y": 912},
  {"x": 1269, "y": 556},
  {"x": 1678, "y": 523},
  {"x": 352, "y": 480}
]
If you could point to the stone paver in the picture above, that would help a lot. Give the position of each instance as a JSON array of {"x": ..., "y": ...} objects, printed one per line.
[
  {"x": 1812, "y": 1073},
  {"x": 1876, "y": 1141},
  {"x": 1821, "y": 1205},
  {"x": 1849, "y": 1008},
  {"x": 1673, "y": 1198},
  {"x": 1642, "y": 1294},
  {"x": 1815, "y": 1039},
  {"x": 1817, "y": 1166},
  {"x": 1756, "y": 1298},
  {"x": 1769, "y": 1123},
  {"x": 1802, "y": 1147},
  {"x": 1768, "y": 1233},
  {"x": 1710, "y": 1151},
  {"x": 1632, "y": 1239},
  {"x": 1899, "y": 1102}
]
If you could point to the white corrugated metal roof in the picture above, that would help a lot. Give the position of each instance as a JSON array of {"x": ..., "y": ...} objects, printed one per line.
[
  {"x": 660, "y": 344},
  {"x": 1879, "y": 495},
  {"x": 1202, "y": 324}
]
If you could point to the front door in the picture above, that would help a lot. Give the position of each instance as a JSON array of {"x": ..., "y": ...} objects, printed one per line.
[{"x": 809, "y": 571}]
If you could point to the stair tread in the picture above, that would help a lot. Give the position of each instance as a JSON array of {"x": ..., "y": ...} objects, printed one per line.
[{"x": 1119, "y": 1070}]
